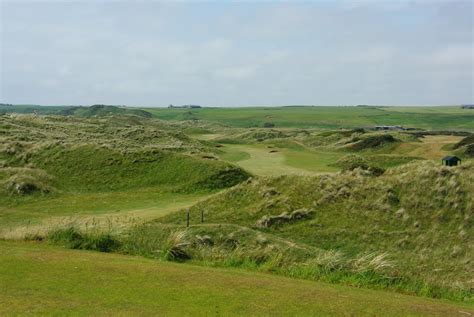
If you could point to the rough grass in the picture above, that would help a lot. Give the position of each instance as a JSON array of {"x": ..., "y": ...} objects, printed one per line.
[
  {"x": 241, "y": 247},
  {"x": 72, "y": 237},
  {"x": 420, "y": 213},
  {"x": 53, "y": 167}
]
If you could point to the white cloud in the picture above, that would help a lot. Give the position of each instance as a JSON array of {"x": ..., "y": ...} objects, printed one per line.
[{"x": 149, "y": 53}]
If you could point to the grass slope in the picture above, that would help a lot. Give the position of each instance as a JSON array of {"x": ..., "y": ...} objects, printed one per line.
[
  {"x": 54, "y": 166},
  {"x": 36, "y": 279},
  {"x": 420, "y": 214}
]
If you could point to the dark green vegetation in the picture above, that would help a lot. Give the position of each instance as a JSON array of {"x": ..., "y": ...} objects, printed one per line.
[
  {"x": 466, "y": 146},
  {"x": 344, "y": 205},
  {"x": 36, "y": 279}
]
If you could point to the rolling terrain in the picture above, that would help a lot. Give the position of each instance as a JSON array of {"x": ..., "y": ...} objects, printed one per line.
[
  {"x": 320, "y": 197},
  {"x": 432, "y": 118}
]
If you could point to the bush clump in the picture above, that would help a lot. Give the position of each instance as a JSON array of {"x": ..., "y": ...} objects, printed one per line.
[
  {"x": 225, "y": 178},
  {"x": 26, "y": 181},
  {"x": 268, "y": 125},
  {"x": 469, "y": 150},
  {"x": 72, "y": 237},
  {"x": 465, "y": 141},
  {"x": 352, "y": 161}
]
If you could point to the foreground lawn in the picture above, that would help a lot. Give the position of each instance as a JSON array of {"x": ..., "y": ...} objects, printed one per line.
[{"x": 40, "y": 279}]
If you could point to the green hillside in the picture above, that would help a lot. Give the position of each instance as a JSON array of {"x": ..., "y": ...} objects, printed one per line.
[
  {"x": 51, "y": 166},
  {"x": 418, "y": 215}
]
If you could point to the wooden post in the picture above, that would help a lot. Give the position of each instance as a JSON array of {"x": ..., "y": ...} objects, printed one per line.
[
  {"x": 187, "y": 217},
  {"x": 202, "y": 215}
]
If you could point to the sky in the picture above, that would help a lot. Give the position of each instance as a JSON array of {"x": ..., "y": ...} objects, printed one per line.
[{"x": 228, "y": 53}]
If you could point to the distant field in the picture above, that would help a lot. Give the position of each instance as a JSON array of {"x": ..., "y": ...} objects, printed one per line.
[
  {"x": 434, "y": 118},
  {"x": 37, "y": 279},
  {"x": 324, "y": 117}
]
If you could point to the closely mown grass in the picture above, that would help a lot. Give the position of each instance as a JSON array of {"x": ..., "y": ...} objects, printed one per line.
[{"x": 38, "y": 279}]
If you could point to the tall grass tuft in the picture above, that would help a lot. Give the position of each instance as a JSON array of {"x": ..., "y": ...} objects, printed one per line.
[{"x": 72, "y": 237}]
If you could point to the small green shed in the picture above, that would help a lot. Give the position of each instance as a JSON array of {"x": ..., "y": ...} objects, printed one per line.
[{"x": 451, "y": 160}]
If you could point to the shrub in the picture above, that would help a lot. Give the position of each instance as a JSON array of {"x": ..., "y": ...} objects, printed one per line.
[
  {"x": 465, "y": 141},
  {"x": 268, "y": 125},
  {"x": 351, "y": 162},
  {"x": 469, "y": 150},
  {"x": 25, "y": 181},
  {"x": 225, "y": 178}
]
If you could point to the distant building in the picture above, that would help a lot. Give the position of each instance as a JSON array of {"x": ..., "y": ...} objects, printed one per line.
[
  {"x": 389, "y": 127},
  {"x": 467, "y": 106},
  {"x": 451, "y": 160},
  {"x": 185, "y": 107}
]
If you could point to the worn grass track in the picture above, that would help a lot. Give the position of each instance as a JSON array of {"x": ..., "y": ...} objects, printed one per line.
[
  {"x": 37, "y": 279},
  {"x": 113, "y": 211}
]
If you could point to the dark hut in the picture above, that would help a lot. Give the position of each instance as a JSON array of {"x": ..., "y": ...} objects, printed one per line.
[{"x": 451, "y": 160}]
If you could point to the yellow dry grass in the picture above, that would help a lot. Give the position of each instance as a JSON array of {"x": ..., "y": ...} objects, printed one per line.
[{"x": 430, "y": 147}]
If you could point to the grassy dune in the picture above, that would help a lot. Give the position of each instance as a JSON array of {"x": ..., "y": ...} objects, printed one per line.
[
  {"x": 36, "y": 279},
  {"x": 419, "y": 215},
  {"x": 58, "y": 169}
]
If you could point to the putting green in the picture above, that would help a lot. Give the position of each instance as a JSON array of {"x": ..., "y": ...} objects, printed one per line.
[{"x": 268, "y": 160}]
